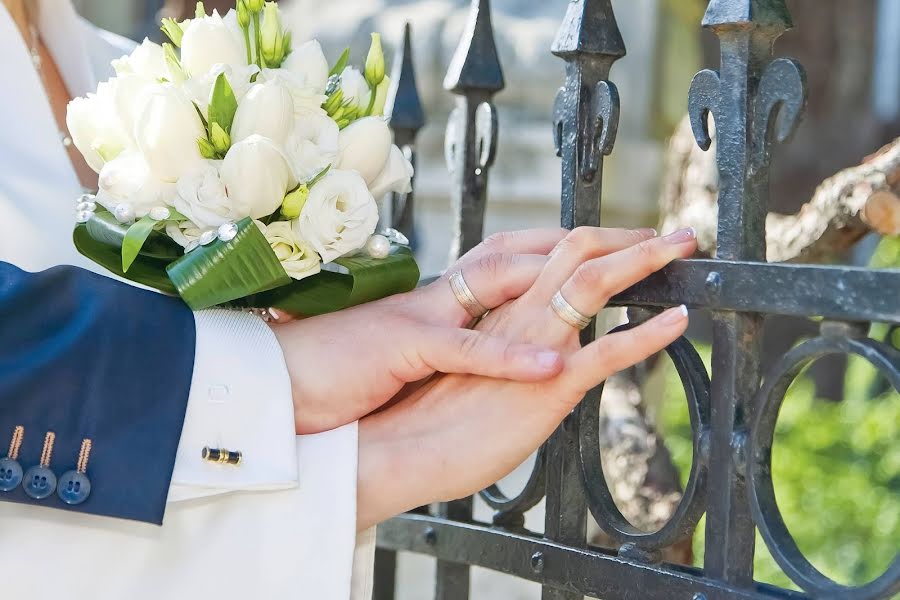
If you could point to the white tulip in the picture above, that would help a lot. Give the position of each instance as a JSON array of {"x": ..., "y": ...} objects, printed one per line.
[
  {"x": 307, "y": 99},
  {"x": 355, "y": 87},
  {"x": 312, "y": 145},
  {"x": 127, "y": 180},
  {"x": 257, "y": 177},
  {"x": 95, "y": 127},
  {"x": 200, "y": 88},
  {"x": 339, "y": 215},
  {"x": 210, "y": 40},
  {"x": 166, "y": 131},
  {"x": 365, "y": 146},
  {"x": 396, "y": 177},
  {"x": 147, "y": 61},
  {"x": 296, "y": 256},
  {"x": 202, "y": 198},
  {"x": 309, "y": 65},
  {"x": 266, "y": 110}
]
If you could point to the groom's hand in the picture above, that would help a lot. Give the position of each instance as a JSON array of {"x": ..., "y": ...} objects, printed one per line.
[{"x": 345, "y": 365}]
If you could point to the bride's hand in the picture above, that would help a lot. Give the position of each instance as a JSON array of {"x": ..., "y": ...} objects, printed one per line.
[
  {"x": 347, "y": 364},
  {"x": 458, "y": 434}
]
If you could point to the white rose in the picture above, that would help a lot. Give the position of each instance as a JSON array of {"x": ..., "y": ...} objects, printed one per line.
[
  {"x": 297, "y": 257},
  {"x": 201, "y": 197},
  {"x": 307, "y": 99},
  {"x": 95, "y": 127},
  {"x": 266, "y": 110},
  {"x": 184, "y": 233},
  {"x": 365, "y": 146},
  {"x": 128, "y": 180},
  {"x": 396, "y": 177},
  {"x": 312, "y": 145},
  {"x": 200, "y": 88},
  {"x": 309, "y": 65},
  {"x": 210, "y": 40},
  {"x": 355, "y": 87},
  {"x": 257, "y": 177},
  {"x": 166, "y": 131},
  {"x": 339, "y": 215},
  {"x": 147, "y": 61}
]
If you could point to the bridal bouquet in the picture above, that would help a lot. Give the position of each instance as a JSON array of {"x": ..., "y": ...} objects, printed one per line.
[{"x": 237, "y": 169}]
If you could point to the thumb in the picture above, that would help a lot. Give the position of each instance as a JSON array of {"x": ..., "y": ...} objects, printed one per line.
[{"x": 464, "y": 351}]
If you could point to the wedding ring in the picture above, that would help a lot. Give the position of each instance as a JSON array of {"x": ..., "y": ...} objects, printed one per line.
[
  {"x": 567, "y": 312},
  {"x": 465, "y": 296}
]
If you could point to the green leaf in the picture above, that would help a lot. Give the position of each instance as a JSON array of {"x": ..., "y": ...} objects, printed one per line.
[
  {"x": 318, "y": 177},
  {"x": 341, "y": 64},
  {"x": 224, "y": 272},
  {"x": 145, "y": 270},
  {"x": 173, "y": 31},
  {"x": 134, "y": 240},
  {"x": 222, "y": 104},
  {"x": 105, "y": 229},
  {"x": 367, "y": 279}
]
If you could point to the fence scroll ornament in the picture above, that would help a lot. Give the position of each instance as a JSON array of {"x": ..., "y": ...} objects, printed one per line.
[{"x": 757, "y": 102}]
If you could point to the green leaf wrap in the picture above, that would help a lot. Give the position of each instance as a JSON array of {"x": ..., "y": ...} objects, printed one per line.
[{"x": 134, "y": 239}]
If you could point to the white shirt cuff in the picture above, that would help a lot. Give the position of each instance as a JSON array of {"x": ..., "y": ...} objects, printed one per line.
[{"x": 240, "y": 400}]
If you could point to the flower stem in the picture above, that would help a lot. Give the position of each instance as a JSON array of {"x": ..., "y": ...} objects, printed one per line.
[
  {"x": 256, "y": 27},
  {"x": 247, "y": 44},
  {"x": 372, "y": 97}
]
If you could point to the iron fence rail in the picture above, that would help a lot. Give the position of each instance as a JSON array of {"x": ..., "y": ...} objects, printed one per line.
[{"x": 757, "y": 101}]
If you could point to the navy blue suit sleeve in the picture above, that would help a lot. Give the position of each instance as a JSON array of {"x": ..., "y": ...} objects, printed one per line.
[{"x": 85, "y": 356}]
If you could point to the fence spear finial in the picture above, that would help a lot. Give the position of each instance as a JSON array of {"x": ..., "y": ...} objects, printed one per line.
[
  {"x": 589, "y": 27},
  {"x": 476, "y": 65},
  {"x": 772, "y": 14},
  {"x": 404, "y": 106}
]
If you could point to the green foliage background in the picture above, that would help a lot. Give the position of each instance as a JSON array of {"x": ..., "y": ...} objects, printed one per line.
[{"x": 836, "y": 466}]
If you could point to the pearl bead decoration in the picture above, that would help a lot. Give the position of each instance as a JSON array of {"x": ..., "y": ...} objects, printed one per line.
[
  {"x": 160, "y": 213},
  {"x": 83, "y": 216},
  {"x": 378, "y": 246},
  {"x": 124, "y": 213}
]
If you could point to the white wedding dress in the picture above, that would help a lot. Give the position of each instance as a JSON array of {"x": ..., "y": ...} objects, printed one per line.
[{"x": 284, "y": 529}]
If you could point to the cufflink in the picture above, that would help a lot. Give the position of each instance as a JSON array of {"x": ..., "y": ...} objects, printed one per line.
[
  {"x": 75, "y": 486},
  {"x": 221, "y": 456},
  {"x": 10, "y": 469},
  {"x": 40, "y": 481}
]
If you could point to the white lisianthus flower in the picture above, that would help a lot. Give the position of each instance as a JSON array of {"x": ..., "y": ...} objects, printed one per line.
[
  {"x": 199, "y": 89},
  {"x": 184, "y": 233},
  {"x": 257, "y": 177},
  {"x": 147, "y": 61},
  {"x": 297, "y": 257},
  {"x": 312, "y": 145},
  {"x": 95, "y": 128},
  {"x": 396, "y": 177},
  {"x": 365, "y": 146},
  {"x": 339, "y": 215},
  {"x": 355, "y": 87},
  {"x": 166, "y": 130},
  {"x": 309, "y": 65},
  {"x": 210, "y": 40},
  {"x": 201, "y": 197},
  {"x": 266, "y": 110},
  {"x": 307, "y": 99},
  {"x": 128, "y": 180}
]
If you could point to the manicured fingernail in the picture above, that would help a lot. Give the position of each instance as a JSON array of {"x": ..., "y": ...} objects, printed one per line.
[
  {"x": 547, "y": 360},
  {"x": 674, "y": 315},
  {"x": 681, "y": 236},
  {"x": 648, "y": 231}
]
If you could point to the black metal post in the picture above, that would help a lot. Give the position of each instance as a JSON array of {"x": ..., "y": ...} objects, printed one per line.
[{"x": 475, "y": 76}]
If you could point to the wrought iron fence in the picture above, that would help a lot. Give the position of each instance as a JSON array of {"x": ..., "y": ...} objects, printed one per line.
[{"x": 757, "y": 102}]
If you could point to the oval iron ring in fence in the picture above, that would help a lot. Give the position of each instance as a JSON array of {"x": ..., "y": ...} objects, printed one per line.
[
  {"x": 695, "y": 380},
  {"x": 511, "y": 511},
  {"x": 764, "y": 507}
]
